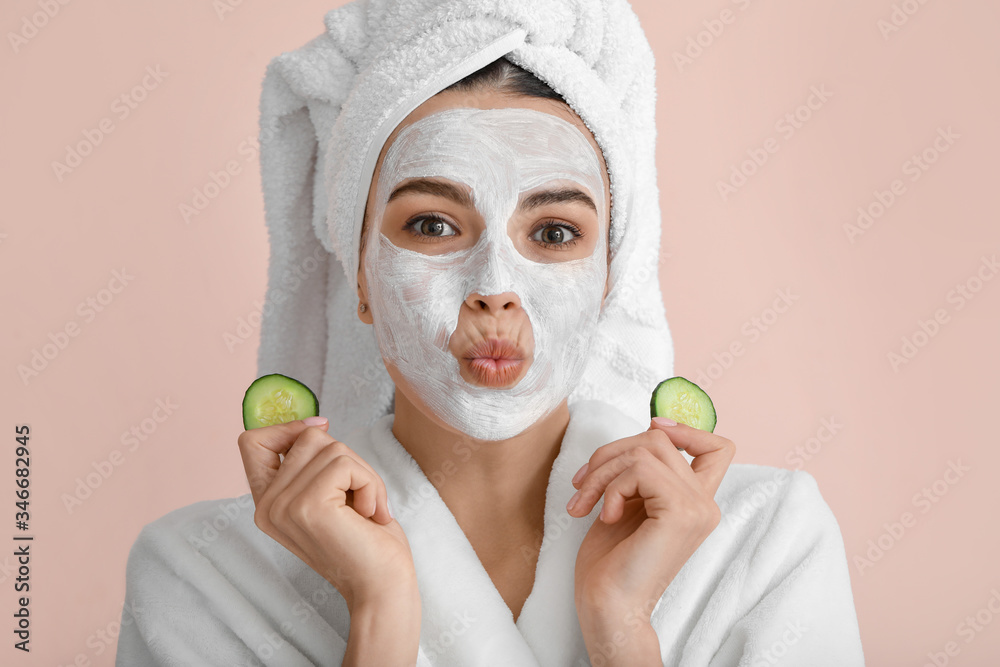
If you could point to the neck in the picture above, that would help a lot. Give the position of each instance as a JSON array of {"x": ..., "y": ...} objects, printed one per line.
[{"x": 502, "y": 482}]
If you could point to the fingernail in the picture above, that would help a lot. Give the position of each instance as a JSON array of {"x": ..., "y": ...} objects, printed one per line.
[
  {"x": 581, "y": 472},
  {"x": 388, "y": 505},
  {"x": 663, "y": 421},
  {"x": 314, "y": 421},
  {"x": 572, "y": 501}
]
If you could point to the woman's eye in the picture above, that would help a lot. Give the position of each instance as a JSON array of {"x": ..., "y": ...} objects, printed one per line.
[
  {"x": 430, "y": 225},
  {"x": 563, "y": 235}
]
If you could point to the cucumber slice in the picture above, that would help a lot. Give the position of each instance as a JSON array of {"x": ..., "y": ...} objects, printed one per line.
[
  {"x": 276, "y": 399},
  {"x": 683, "y": 401}
]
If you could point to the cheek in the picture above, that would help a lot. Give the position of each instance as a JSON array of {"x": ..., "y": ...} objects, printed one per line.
[
  {"x": 415, "y": 291},
  {"x": 562, "y": 299}
]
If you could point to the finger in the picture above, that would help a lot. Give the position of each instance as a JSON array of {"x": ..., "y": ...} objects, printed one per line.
[
  {"x": 712, "y": 453},
  {"x": 310, "y": 443},
  {"x": 260, "y": 449},
  {"x": 364, "y": 503},
  {"x": 310, "y": 449},
  {"x": 637, "y": 481},
  {"x": 295, "y": 515},
  {"x": 315, "y": 441},
  {"x": 596, "y": 482},
  {"x": 685, "y": 510},
  {"x": 656, "y": 441},
  {"x": 288, "y": 536},
  {"x": 328, "y": 492},
  {"x": 609, "y": 451}
]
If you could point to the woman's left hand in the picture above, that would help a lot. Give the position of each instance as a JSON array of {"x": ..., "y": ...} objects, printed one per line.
[{"x": 657, "y": 511}]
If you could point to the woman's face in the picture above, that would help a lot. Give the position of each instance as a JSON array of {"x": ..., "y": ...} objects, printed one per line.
[{"x": 485, "y": 262}]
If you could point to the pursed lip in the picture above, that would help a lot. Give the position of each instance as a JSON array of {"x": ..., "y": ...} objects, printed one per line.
[
  {"x": 494, "y": 348},
  {"x": 495, "y": 362}
]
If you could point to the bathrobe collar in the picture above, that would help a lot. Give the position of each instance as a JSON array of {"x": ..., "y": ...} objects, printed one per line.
[{"x": 465, "y": 621}]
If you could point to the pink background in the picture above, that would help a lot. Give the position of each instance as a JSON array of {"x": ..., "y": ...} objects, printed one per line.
[{"x": 826, "y": 357}]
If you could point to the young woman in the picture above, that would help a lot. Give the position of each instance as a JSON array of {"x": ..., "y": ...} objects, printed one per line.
[{"x": 509, "y": 509}]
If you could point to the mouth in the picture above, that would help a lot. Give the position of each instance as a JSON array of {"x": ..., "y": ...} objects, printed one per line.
[{"x": 495, "y": 362}]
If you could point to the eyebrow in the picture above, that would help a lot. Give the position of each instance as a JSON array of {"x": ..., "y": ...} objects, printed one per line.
[
  {"x": 462, "y": 198},
  {"x": 432, "y": 187},
  {"x": 559, "y": 196}
]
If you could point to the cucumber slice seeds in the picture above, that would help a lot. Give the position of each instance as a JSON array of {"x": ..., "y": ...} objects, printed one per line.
[
  {"x": 683, "y": 401},
  {"x": 276, "y": 399}
]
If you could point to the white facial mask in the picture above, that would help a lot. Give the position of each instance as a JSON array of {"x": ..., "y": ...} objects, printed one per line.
[{"x": 416, "y": 298}]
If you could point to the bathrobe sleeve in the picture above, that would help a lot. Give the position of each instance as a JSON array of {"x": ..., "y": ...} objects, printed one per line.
[
  {"x": 166, "y": 619},
  {"x": 791, "y": 580},
  {"x": 183, "y": 607}
]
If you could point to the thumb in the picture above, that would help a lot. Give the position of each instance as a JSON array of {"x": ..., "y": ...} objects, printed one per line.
[
  {"x": 664, "y": 424},
  {"x": 262, "y": 448},
  {"x": 322, "y": 422},
  {"x": 278, "y": 438}
]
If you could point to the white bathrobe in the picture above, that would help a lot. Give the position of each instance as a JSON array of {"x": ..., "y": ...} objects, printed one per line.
[{"x": 769, "y": 586}]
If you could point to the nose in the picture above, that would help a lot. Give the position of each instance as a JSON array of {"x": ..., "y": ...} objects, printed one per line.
[{"x": 493, "y": 303}]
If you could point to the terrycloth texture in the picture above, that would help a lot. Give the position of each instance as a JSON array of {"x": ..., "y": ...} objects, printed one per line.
[
  {"x": 327, "y": 109},
  {"x": 769, "y": 586}
]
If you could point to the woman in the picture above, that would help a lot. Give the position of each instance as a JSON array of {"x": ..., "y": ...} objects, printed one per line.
[{"x": 493, "y": 234}]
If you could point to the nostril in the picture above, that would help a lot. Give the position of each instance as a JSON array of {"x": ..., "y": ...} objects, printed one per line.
[{"x": 495, "y": 302}]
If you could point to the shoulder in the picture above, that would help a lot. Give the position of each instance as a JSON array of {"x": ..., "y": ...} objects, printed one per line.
[
  {"x": 776, "y": 552},
  {"x": 776, "y": 530},
  {"x": 213, "y": 551},
  {"x": 759, "y": 501},
  {"x": 202, "y": 520},
  {"x": 204, "y": 585},
  {"x": 192, "y": 536},
  {"x": 767, "y": 487}
]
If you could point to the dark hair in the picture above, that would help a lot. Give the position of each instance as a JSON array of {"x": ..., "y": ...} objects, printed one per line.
[{"x": 504, "y": 77}]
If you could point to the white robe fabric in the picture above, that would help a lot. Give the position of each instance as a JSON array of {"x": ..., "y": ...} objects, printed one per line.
[{"x": 769, "y": 586}]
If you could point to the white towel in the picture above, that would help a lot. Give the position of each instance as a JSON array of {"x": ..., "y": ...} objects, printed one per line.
[
  {"x": 769, "y": 586},
  {"x": 326, "y": 110}
]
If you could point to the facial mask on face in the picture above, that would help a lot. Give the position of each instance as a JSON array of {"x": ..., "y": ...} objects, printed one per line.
[{"x": 416, "y": 298}]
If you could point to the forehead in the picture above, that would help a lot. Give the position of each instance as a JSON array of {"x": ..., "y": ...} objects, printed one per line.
[
  {"x": 491, "y": 99},
  {"x": 519, "y": 147}
]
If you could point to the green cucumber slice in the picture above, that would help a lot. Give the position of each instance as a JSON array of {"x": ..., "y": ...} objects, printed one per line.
[
  {"x": 683, "y": 401},
  {"x": 276, "y": 399}
]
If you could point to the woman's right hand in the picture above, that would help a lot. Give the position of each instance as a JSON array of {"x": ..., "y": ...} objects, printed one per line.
[{"x": 326, "y": 505}]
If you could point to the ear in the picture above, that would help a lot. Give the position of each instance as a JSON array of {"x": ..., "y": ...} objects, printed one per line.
[{"x": 365, "y": 316}]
